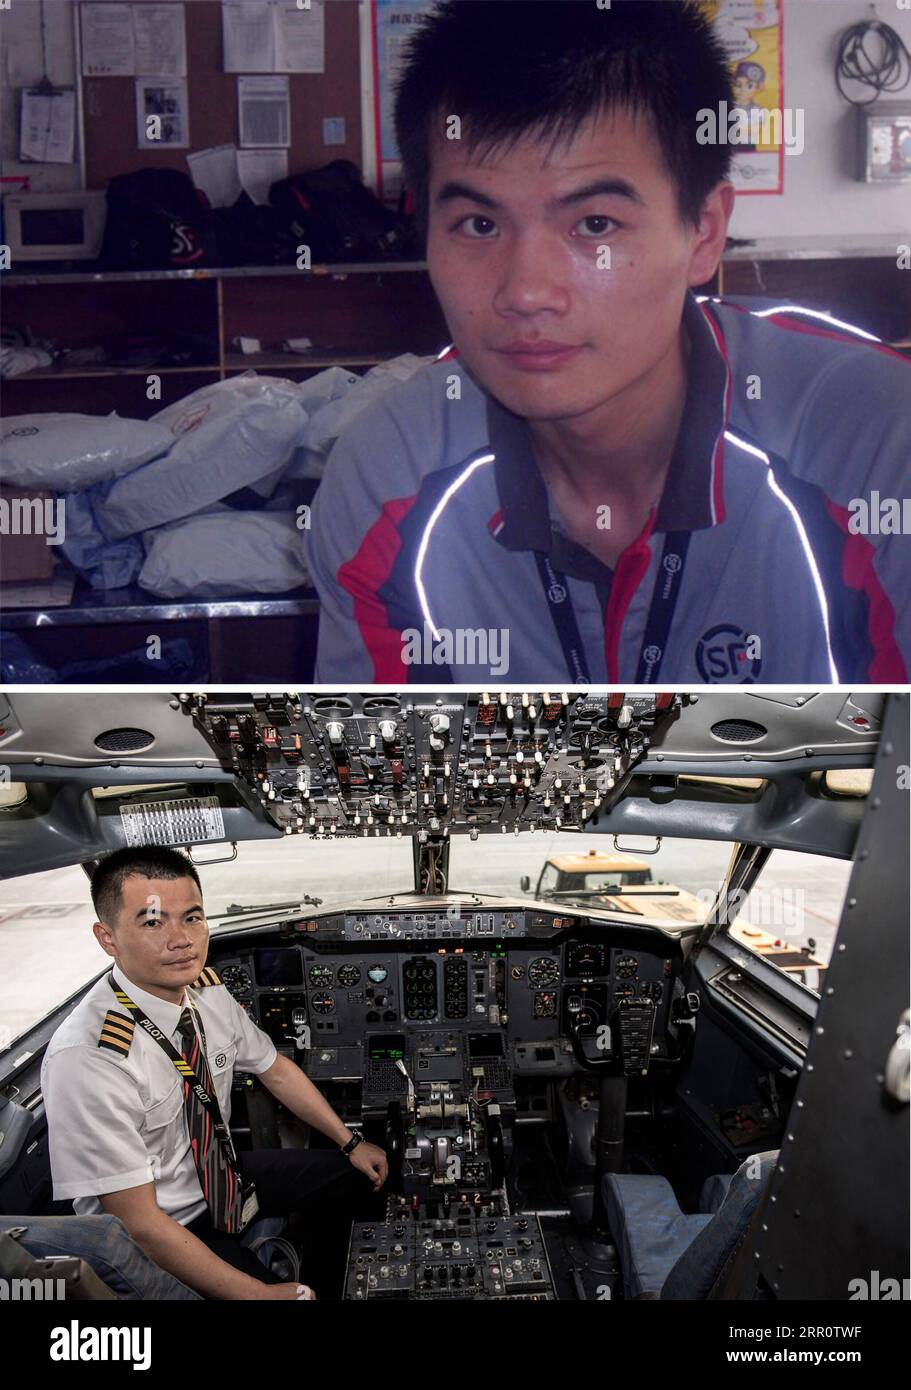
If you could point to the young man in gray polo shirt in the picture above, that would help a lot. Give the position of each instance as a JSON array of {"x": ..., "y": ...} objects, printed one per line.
[{"x": 608, "y": 477}]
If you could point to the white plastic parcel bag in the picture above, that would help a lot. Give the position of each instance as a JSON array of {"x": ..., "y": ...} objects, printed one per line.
[
  {"x": 225, "y": 554},
  {"x": 237, "y": 433},
  {"x": 334, "y": 402},
  {"x": 68, "y": 453}
]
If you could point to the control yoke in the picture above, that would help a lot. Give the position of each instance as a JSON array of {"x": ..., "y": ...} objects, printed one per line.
[{"x": 609, "y": 1061}]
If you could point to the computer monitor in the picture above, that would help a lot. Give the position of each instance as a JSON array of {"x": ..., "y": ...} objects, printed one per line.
[{"x": 54, "y": 226}]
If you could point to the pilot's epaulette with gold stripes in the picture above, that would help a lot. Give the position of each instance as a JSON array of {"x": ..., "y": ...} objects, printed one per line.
[
  {"x": 208, "y": 977},
  {"x": 117, "y": 1033}
]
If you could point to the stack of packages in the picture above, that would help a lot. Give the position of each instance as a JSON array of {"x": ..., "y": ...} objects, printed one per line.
[{"x": 201, "y": 500}]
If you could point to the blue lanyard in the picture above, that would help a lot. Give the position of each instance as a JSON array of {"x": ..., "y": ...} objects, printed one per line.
[
  {"x": 664, "y": 601},
  {"x": 657, "y": 629},
  {"x": 556, "y": 591}
]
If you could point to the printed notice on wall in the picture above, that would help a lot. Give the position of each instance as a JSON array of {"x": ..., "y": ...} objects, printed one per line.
[
  {"x": 48, "y": 126},
  {"x": 162, "y": 113},
  {"x": 214, "y": 172},
  {"x": 263, "y": 111},
  {"x": 273, "y": 36},
  {"x": 259, "y": 169},
  {"x": 161, "y": 40},
  {"x": 129, "y": 40},
  {"x": 300, "y": 37},
  {"x": 108, "y": 41}
]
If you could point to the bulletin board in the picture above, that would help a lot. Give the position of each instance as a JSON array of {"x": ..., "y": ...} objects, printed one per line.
[{"x": 109, "y": 103}]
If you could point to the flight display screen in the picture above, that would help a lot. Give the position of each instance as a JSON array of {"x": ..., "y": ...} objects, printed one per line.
[
  {"x": 278, "y": 967},
  {"x": 388, "y": 1048}
]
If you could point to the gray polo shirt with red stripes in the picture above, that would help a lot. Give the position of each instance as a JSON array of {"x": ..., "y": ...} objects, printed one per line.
[{"x": 771, "y": 556}]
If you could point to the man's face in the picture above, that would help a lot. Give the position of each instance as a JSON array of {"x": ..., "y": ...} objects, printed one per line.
[
  {"x": 522, "y": 263},
  {"x": 161, "y": 937}
]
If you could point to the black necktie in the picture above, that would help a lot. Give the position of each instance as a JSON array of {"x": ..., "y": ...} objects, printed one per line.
[{"x": 219, "y": 1177}]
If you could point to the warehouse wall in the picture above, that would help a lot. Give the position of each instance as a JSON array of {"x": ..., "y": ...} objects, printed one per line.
[{"x": 821, "y": 196}]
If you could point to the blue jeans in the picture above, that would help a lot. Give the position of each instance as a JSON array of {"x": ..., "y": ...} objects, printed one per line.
[
  {"x": 105, "y": 1244},
  {"x": 317, "y": 1189}
]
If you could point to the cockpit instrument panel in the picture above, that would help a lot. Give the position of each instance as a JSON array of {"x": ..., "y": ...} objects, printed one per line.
[{"x": 339, "y": 766}]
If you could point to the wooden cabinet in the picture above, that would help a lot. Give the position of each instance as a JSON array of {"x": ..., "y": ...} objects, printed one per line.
[
  {"x": 858, "y": 280},
  {"x": 355, "y": 316}
]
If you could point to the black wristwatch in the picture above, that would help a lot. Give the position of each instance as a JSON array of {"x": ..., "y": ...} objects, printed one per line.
[{"x": 352, "y": 1144}]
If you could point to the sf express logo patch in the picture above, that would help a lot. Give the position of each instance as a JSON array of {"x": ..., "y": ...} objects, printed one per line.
[{"x": 728, "y": 655}]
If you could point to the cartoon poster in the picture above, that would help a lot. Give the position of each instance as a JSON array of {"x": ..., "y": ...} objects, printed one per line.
[{"x": 756, "y": 125}]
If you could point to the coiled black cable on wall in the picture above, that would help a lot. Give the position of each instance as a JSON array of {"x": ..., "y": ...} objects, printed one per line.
[{"x": 874, "y": 55}]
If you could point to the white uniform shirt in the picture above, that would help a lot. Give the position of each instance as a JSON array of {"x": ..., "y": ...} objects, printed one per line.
[{"x": 117, "y": 1119}]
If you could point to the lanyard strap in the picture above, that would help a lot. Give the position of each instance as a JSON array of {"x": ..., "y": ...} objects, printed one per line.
[
  {"x": 185, "y": 1071},
  {"x": 658, "y": 625},
  {"x": 664, "y": 600},
  {"x": 556, "y": 592}
]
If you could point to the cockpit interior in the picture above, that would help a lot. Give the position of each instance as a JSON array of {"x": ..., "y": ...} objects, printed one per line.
[{"x": 590, "y": 1095}]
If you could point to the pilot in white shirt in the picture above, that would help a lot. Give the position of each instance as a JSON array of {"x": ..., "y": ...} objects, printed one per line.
[
  {"x": 124, "y": 1098},
  {"x": 125, "y": 1133}
]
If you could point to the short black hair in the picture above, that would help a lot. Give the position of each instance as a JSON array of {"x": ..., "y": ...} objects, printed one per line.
[
  {"x": 514, "y": 67},
  {"x": 146, "y": 861}
]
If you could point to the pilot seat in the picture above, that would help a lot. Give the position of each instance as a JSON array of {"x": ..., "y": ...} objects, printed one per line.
[{"x": 668, "y": 1254}]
